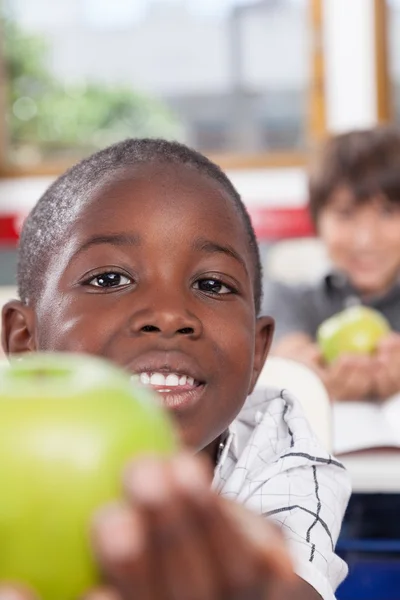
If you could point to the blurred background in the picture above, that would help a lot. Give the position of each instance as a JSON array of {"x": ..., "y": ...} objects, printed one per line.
[{"x": 254, "y": 84}]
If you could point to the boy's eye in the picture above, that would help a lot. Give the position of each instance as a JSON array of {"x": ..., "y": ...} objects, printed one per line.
[
  {"x": 212, "y": 286},
  {"x": 107, "y": 280},
  {"x": 388, "y": 210},
  {"x": 345, "y": 213}
]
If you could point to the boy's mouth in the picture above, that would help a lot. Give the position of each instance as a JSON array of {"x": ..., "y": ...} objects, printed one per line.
[{"x": 176, "y": 390}]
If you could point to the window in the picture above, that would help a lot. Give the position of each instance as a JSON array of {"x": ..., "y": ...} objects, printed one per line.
[
  {"x": 393, "y": 24},
  {"x": 227, "y": 76}
]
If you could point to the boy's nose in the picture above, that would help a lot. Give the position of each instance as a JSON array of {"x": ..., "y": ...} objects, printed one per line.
[
  {"x": 166, "y": 321},
  {"x": 366, "y": 234}
]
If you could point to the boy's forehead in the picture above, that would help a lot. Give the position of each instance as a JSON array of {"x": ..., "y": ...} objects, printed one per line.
[
  {"x": 357, "y": 195},
  {"x": 160, "y": 186},
  {"x": 183, "y": 204},
  {"x": 164, "y": 175}
]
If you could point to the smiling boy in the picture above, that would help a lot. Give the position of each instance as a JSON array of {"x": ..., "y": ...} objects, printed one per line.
[
  {"x": 354, "y": 199},
  {"x": 144, "y": 254}
]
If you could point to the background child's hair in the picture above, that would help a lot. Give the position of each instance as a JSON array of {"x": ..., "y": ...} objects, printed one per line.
[
  {"x": 49, "y": 222},
  {"x": 367, "y": 162}
]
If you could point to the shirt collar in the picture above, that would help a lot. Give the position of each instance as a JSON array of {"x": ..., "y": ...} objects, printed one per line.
[
  {"x": 336, "y": 281},
  {"x": 228, "y": 446}
]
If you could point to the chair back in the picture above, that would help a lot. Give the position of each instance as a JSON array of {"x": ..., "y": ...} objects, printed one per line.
[{"x": 308, "y": 389}]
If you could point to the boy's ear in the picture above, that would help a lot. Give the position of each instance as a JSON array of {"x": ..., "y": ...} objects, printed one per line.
[
  {"x": 18, "y": 328},
  {"x": 264, "y": 333}
]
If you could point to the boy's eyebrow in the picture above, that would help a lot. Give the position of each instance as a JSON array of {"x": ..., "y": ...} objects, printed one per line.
[
  {"x": 115, "y": 239},
  {"x": 213, "y": 247},
  {"x": 129, "y": 239}
]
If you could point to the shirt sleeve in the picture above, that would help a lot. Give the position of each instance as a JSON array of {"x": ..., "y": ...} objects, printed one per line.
[
  {"x": 291, "y": 308},
  {"x": 287, "y": 476}
]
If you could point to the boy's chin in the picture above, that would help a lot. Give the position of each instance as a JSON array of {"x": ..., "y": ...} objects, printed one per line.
[{"x": 371, "y": 285}]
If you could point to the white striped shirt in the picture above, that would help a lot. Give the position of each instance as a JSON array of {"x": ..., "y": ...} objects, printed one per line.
[{"x": 273, "y": 464}]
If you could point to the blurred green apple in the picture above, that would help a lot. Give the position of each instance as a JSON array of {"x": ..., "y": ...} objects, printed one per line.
[
  {"x": 355, "y": 330},
  {"x": 68, "y": 425}
]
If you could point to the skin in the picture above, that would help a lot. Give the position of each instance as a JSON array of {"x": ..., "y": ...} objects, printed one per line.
[
  {"x": 158, "y": 314},
  {"x": 183, "y": 300},
  {"x": 363, "y": 242}
]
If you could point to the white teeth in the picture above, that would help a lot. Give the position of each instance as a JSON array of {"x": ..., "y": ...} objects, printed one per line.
[
  {"x": 157, "y": 379},
  {"x": 172, "y": 380},
  {"x": 144, "y": 378}
]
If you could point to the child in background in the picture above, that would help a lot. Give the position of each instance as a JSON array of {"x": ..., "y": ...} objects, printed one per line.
[
  {"x": 354, "y": 195},
  {"x": 144, "y": 254}
]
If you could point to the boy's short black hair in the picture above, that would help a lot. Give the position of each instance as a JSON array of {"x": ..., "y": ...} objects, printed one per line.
[
  {"x": 47, "y": 224},
  {"x": 367, "y": 162}
]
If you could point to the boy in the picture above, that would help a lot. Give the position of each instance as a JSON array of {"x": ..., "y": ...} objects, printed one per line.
[
  {"x": 144, "y": 254},
  {"x": 354, "y": 195}
]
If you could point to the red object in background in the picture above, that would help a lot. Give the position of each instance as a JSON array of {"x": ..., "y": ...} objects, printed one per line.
[
  {"x": 273, "y": 224},
  {"x": 10, "y": 225},
  {"x": 270, "y": 224}
]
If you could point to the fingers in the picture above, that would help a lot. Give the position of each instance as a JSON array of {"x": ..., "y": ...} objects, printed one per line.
[
  {"x": 103, "y": 594},
  {"x": 388, "y": 352},
  {"x": 266, "y": 537},
  {"x": 383, "y": 384},
  {"x": 387, "y": 377},
  {"x": 248, "y": 551},
  {"x": 161, "y": 552},
  {"x": 176, "y": 540},
  {"x": 311, "y": 356},
  {"x": 387, "y": 367},
  {"x": 172, "y": 538},
  {"x": 179, "y": 544},
  {"x": 350, "y": 378},
  {"x": 359, "y": 377},
  {"x": 389, "y": 342},
  {"x": 122, "y": 547},
  {"x": 314, "y": 354},
  {"x": 11, "y": 592}
]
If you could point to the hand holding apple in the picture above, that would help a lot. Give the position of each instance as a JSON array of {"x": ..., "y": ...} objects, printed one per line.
[
  {"x": 349, "y": 378},
  {"x": 14, "y": 591},
  {"x": 172, "y": 534},
  {"x": 68, "y": 425},
  {"x": 189, "y": 536},
  {"x": 361, "y": 353},
  {"x": 354, "y": 331},
  {"x": 386, "y": 370}
]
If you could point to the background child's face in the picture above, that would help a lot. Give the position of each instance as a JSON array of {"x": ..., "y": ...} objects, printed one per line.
[
  {"x": 157, "y": 276},
  {"x": 363, "y": 239}
]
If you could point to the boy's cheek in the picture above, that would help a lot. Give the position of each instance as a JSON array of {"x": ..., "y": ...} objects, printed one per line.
[
  {"x": 336, "y": 241},
  {"x": 63, "y": 332}
]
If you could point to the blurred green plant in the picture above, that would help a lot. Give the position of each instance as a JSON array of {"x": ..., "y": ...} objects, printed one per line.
[{"x": 48, "y": 120}]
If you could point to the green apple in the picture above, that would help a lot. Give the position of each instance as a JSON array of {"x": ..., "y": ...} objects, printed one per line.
[
  {"x": 355, "y": 330},
  {"x": 68, "y": 425}
]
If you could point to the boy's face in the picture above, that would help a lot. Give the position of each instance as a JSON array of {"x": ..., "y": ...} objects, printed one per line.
[
  {"x": 363, "y": 239},
  {"x": 157, "y": 276}
]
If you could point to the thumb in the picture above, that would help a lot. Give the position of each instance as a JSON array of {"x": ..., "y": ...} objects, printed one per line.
[
  {"x": 102, "y": 594},
  {"x": 265, "y": 536},
  {"x": 14, "y": 592},
  {"x": 389, "y": 342}
]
